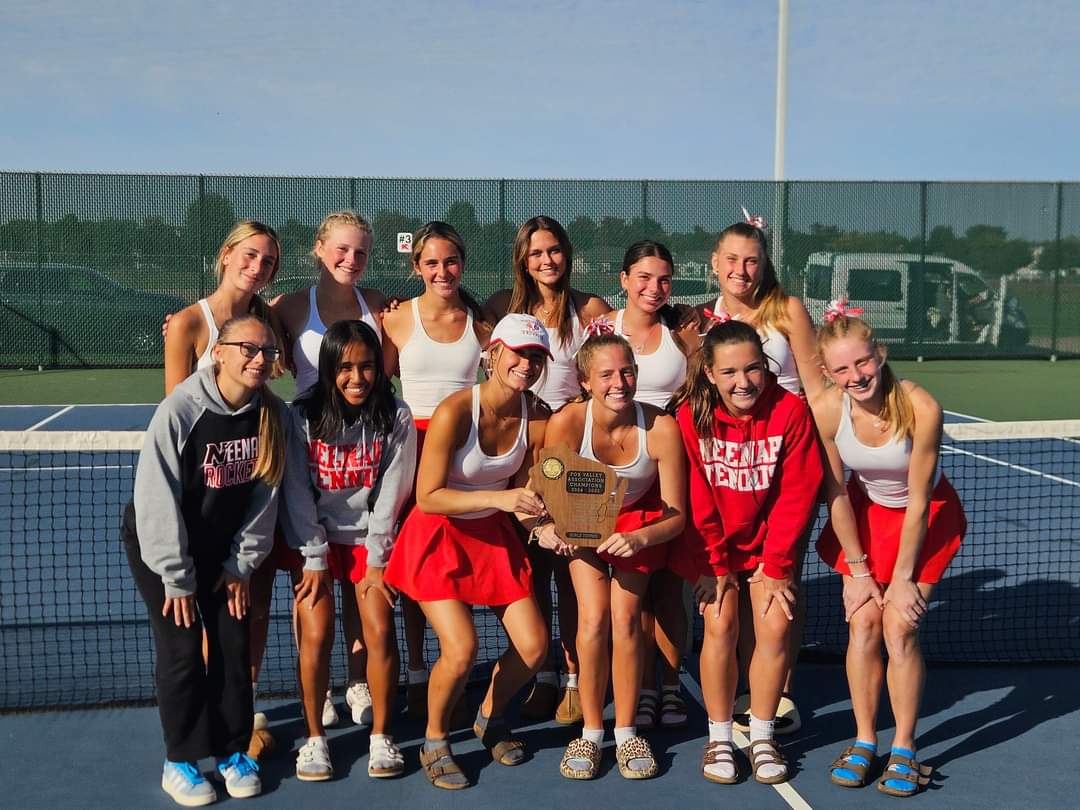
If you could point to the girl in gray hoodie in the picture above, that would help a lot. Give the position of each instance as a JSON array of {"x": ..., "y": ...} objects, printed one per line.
[
  {"x": 201, "y": 521},
  {"x": 351, "y": 460}
]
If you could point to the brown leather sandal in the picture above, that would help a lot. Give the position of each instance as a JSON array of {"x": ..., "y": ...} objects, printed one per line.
[
  {"x": 914, "y": 774},
  {"x": 720, "y": 753},
  {"x": 504, "y": 750},
  {"x": 435, "y": 771},
  {"x": 765, "y": 752},
  {"x": 852, "y": 759}
]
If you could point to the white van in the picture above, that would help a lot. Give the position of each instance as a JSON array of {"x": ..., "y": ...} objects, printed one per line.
[{"x": 909, "y": 298}]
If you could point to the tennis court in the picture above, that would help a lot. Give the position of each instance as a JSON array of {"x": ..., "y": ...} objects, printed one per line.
[{"x": 998, "y": 714}]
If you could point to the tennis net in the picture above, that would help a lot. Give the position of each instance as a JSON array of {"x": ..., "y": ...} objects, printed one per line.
[{"x": 73, "y": 630}]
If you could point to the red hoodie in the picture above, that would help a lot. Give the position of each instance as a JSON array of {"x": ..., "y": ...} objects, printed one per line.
[{"x": 753, "y": 487}]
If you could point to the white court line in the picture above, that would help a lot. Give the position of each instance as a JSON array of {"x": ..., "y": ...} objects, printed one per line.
[
  {"x": 952, "y": 448},
  {"x": 786, "y": 791},
  {"x": 966, "y": 416},
  {"x": 48, "y": 419}
]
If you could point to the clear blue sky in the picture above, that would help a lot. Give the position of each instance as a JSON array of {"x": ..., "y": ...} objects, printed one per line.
[{"x": 971, "y": 89}]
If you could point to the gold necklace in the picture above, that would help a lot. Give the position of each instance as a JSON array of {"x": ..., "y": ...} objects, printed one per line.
[{"x": 639, "y": 347}]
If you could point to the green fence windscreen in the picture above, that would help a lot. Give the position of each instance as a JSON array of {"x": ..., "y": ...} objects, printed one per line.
[{"x": 90, "y": 264}]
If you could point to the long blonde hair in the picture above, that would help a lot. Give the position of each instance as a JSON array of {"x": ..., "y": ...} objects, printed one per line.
[
  {"x": 770, "y": 300},
  {"x": 245, "y": 229},
  {"x": 897, "y": 414},
  {"x": 270, "y": 463}
]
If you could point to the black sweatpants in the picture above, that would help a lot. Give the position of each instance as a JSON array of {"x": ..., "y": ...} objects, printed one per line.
[{"x": 205, "y": 707}]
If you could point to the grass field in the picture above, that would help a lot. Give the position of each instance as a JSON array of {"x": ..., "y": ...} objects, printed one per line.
[{"x": 991, "y": 389}]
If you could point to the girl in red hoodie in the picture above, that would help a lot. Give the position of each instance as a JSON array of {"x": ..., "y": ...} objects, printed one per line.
[{"x": 755, "y": 469}]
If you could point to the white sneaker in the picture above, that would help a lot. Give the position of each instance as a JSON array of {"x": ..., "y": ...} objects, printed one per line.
[
  {"x": 358, "y": 698},
  {"x": 313, "y": 761},
  {"x": 384, "y": 758},
  {"x": 241, "y": 775},
  {"x": 329, "y": 713},
  {"x": 186, "y": 785}
]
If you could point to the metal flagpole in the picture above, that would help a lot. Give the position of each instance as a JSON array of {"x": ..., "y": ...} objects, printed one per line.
[{"x": 779, "y": 212}]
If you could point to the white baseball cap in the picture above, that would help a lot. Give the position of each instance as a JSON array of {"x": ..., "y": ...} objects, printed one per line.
[{"x": 517, "y": 331}]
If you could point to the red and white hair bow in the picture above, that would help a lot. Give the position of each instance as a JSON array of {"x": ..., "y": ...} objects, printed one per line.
[
  {"x": 714, "y": 318},
  {"x": 840, "y": 309},
  {"x": 756, "y": 220},
  {"x": 599, "y": 326}
]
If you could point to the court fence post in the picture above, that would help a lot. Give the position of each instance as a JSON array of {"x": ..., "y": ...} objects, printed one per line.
[
  {"x": 1055, "y": 297},
  {"x": 201, "y": 225},
  {"x": 39, "y": 250}
]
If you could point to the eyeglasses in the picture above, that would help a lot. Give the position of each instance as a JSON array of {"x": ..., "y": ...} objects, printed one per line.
[{"x": 251, "y": 350}]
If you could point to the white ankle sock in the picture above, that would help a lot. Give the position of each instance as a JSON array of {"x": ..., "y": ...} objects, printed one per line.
[
  {"x": 763, "y": 730},
  {"x": 571, "y": 680},
  {"x": 624, "y": 733},
  {"x": 593, "y": 735},
  {"x": 720, "y": 731}
]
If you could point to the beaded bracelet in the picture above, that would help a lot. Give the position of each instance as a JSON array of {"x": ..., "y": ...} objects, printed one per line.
[{"x": 857, "y": 560}]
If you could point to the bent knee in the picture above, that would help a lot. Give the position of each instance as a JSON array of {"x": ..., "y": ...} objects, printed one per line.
[{"x": 864, "y": 627}]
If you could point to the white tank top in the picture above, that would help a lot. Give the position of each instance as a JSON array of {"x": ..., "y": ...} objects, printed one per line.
[
  {"x": 306, "y": 346},
  {"x": 472, "y": 469},
  {"x": 881, "y": 471},
  {"x": 658, "y": 373},
  {"x": 639, "y": 474},
  {"x": 560, "y": 380},
  {"x": 778, "y": 354},
  {"x": 206, "y": 359},
  {"x": 430, "y": 371}
]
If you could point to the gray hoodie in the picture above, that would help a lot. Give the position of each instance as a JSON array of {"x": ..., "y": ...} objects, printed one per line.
[
  {"x": 348, "y": 490},
  {"x": 197, "y": 509}
]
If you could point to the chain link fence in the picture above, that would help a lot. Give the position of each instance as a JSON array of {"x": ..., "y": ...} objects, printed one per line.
[{"x": 90, "y": 264}]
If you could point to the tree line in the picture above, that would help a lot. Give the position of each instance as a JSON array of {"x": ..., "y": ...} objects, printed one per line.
[{"x": 155, "y": 243}]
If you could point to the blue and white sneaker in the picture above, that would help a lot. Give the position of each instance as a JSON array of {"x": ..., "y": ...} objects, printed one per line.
[
  {"x": 241, "y": 775},
  {"x": 186, "y": 785}
]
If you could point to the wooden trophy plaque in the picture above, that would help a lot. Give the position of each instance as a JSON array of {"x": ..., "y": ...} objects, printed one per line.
[{"x": 583, "y": 496}]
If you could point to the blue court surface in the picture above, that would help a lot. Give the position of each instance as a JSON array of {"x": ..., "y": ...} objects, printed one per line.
[{"x": 998, "y": 735}]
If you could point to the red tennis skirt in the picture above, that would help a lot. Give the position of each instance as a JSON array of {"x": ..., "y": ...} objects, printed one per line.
[
  {"x": 421, "y": 433},
  {"x": 479, "y": 561},
  {"x": 645, "y": 510},
  {"x": 347, "y": 563},
  {"x": 879, "y": 534}
]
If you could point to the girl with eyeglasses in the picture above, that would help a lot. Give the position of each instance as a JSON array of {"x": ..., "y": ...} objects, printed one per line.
[{"x": 200, "y": 523}]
